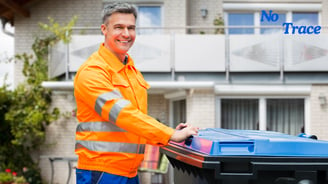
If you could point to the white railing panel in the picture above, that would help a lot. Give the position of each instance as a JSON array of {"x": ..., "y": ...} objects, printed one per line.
[
  {"x": 151, "y": 53},
  {"x": 204, "y": 53},
  {"x": 255, "y": 52},
  {"x": 81, "y": 47},
  {"x": 199, "y": 53},
  {"x": 306, "y": 52},
  {"x": 58, "y": 60}
]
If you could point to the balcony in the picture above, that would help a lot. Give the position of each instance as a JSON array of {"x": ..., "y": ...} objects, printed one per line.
[{"x": 174, "y": 54}]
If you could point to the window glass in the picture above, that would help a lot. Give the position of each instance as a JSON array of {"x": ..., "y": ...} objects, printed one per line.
[
  {"x": 149, "y": 16},
  {"x": 241, "y": 19},
  {"x": 281, "y": 19},
  {"x": 240, "y": 114},
  {"x": 285, "y": 115},
  {"x": 247, "y": 19},
  {"x": 179, "y": 112},
  {"x": 307, "y": 18}
]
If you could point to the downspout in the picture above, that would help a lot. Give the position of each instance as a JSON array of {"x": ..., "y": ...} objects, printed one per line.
[{"x": 4, "y": 22}]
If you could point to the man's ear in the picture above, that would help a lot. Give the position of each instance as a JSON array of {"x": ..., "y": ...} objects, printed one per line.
[{"x": 103, "y": 29}]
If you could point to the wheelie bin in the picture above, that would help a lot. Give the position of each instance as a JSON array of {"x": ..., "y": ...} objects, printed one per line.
[{"x": 222, "y": 156}]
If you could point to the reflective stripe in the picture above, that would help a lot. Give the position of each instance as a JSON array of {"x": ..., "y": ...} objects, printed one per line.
[
  {"x": 103, "y": 98},
  {"x": 98, "y": 127},
  {"x": 116, "y": 109},
  {"x": 110, "y": 146}
]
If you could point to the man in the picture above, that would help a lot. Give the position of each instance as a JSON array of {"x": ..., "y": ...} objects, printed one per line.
[{"x": 111, "y": 97}]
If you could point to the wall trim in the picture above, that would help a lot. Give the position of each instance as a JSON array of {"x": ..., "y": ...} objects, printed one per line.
[{"x": 260, "y": 90}]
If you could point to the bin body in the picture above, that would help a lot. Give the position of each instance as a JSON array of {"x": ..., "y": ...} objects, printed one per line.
[{"x": 248, "y": 157}]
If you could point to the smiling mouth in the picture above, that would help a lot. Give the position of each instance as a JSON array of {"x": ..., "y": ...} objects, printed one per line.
[{"x": 126, "y": 41}]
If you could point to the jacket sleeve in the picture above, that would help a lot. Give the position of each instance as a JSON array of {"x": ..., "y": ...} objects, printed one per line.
[{"x": 94, "y": 87}]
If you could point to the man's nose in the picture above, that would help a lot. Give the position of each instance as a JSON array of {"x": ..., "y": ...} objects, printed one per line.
[{"x": 125, "y": 32}]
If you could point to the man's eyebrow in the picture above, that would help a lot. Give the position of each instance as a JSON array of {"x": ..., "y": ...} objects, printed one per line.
[{"x": 124, "y": 25}]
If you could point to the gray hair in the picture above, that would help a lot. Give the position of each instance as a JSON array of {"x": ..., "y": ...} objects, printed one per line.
[{"x": 118, "y": 7}]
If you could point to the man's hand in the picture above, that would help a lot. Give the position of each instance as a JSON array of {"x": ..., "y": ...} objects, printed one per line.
[
  {"x": 183, "y": 131},
  {"x": 181, "y": 126}
]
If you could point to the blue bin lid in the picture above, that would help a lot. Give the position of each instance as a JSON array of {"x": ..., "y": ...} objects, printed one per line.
[{"x": 216, "y": 141}]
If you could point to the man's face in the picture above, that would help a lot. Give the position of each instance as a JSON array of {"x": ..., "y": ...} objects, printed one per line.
[{"x": 119, "y": 33}]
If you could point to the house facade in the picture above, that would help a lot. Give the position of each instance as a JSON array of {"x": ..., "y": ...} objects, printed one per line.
[{"x": 251, "y": 72}]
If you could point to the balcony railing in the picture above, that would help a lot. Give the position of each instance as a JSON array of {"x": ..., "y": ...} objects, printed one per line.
[{"x": 172, "y": 51}]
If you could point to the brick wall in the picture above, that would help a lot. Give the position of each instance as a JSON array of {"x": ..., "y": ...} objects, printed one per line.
[
  {"x": 201, "y": 108},
  {"x": 60, "y": 139},
  {"x": 319, "y": 113},
  {"x": 158, "y": 108},
  {"x": 214, "y": 8},
  {"x": 27, "y": 29},
  {"x": 175, "y": 14}
]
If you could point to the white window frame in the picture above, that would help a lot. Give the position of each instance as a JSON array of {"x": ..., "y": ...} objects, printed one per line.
[
  {"x": 262, "y": 93},
  {"x": 153, "y": 5},
  {"x": 256, "y": 8},
  {"x": 172, "y": 97}
]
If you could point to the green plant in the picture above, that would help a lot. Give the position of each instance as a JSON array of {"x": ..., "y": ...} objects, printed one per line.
[
  {"x": 20, "y": 179},
  {"x": 11, "y": 177},
  {"x": 25, "y": 112},
  {"x": 29, "y": 113},
  {"x": 60, "y": 32},
  {"x": 218, "y": 21},
  {"x": 6, "y": 177}
]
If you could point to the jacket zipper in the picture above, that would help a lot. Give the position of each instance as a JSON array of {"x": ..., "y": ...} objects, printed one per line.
[{"x": 134, "y": 94}]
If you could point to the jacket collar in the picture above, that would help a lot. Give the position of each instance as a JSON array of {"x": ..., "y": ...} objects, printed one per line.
[{"x": 111, "y": 59}]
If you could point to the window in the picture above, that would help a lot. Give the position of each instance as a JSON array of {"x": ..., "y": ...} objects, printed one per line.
[
  {"x": 179, "y": 112},
  {"x": 241, "y": 19},
  {"x": 305, "y": 18},
  {"x": 149, "y": 16},
  {"x": 285, "y": 115},
  {"x": 254, "y": 19},
  {"x": 281, "y": 115},
  {"x": 278, "y": 22},
  {"x": 239, "y": 114}
]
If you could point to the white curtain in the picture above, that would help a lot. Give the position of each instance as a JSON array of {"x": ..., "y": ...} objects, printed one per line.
[
  {"x": 240, "y": 114},
  {"x": 285, "y": 115}
]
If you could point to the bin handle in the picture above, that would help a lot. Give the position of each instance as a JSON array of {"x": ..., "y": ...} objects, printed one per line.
[{"x": 189, "y": 140}]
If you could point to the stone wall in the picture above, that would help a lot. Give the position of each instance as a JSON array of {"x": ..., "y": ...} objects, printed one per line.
[
  {"x": 319, "y": 112},
  {"x": 201, "y": 108}
]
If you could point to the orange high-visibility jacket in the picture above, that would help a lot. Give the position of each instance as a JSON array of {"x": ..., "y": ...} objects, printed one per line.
[{"x": 113, "y": 123}]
